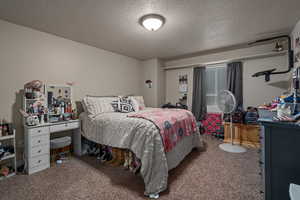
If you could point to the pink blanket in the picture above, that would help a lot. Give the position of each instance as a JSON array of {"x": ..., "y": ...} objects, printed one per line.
[{"x": 173, "y": 124}]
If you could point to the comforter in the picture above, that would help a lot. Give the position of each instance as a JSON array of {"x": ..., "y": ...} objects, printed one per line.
[
  {"x": 173, "y": 124},
  {"x": 142, "y": 137}
]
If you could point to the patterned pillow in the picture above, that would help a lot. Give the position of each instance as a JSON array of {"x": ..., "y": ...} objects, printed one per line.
[{"x": 123, "y": 104}]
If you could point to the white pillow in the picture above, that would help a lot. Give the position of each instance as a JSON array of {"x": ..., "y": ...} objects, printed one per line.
[
  {"x": 140, "y": 102},
  {"x": 96, "y": 105},
  {"x": 134, "y": 103}
]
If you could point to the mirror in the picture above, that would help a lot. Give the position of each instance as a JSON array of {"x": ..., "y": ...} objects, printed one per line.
[{"x": 59, "y": 102}]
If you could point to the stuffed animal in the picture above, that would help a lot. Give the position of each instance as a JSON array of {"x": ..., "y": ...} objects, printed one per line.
[{"x": 4, "y": 171}]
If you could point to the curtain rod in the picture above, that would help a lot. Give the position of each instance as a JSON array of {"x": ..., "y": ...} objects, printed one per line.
[{"x": 264, "y": 55}]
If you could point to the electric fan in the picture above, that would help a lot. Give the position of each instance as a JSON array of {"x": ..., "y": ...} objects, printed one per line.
[{"x": 227, "y": 104}]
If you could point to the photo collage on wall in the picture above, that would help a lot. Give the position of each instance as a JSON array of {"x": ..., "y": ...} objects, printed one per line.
[{"x": 183, "y": 84}]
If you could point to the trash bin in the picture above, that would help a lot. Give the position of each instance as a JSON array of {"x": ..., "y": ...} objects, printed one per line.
[{"x": 60, "y": 147}]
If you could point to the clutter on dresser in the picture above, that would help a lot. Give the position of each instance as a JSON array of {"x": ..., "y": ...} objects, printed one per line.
[
  {"x": 285, "y": 108},
  {"x": 7, "y": 150},
  {"x": 59, "y": 103},
  {"x": 5, "y": 128},
  {"x": 35, "y": 103},
  {"x": 48, "y": 109},
  {"x": 281, "y": 109},
  {"x": 46, "y": 104}
]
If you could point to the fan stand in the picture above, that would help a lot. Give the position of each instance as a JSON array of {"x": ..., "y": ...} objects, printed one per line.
[{"x": 230, "y": 147}]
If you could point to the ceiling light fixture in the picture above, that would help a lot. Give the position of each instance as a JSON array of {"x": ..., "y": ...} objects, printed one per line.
[{"x": 152, "y": 22}]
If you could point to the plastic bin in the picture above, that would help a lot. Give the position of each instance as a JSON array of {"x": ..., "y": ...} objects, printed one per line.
[{"x": 266, "y": 114}]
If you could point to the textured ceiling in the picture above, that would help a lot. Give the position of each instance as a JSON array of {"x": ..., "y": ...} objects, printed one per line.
[{"x": 191, "y": 25}]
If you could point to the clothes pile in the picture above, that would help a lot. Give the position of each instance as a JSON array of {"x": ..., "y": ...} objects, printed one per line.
[{"x": 213, "y": 125}]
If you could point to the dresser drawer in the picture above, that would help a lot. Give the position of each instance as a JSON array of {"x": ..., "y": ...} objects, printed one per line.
[
  {"x": 40, "y": 140},
  {"x": 38, "y": 131},
  {"x": 38, "y": 168},
  {"x": 64, "y": 127},
  {"x": 39, "y": 161},
  {"x": 39, "y": 150}
]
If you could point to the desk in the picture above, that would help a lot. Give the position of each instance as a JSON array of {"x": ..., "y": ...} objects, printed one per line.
[{"x": 37, "y": 143}]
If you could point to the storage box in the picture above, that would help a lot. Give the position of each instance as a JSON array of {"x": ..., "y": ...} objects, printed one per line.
[
  {"x": 266, "y": 114},
  {"x": 243, "y": 134}
]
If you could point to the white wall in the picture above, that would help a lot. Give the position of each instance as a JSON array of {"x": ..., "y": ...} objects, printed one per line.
[
  {"x": 27, "y": 54},
  {"x": 149, "y": 72},
  {"x": 161, "y": 84},
  {"x": 172, "y": 85},
  {"x": 152, "y": 70},
  {"x": 256, "y": 90}
]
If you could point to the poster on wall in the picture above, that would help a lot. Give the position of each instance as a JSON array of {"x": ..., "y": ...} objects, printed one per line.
[{"x": 183, "y": 83}]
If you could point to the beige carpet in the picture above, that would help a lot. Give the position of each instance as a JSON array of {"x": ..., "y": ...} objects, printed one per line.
[{"x": 209, "y": 175}]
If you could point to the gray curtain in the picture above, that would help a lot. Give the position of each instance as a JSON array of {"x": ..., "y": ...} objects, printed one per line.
[
  {"x": 235, "y": 81},
  {"x": 199, "y": 93}
]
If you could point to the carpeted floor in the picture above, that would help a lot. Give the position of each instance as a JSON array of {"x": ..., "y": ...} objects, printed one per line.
[{"x": 209, "y": 175}]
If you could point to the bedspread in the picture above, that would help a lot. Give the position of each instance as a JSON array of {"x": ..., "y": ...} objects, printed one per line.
[
  {"x": 173, "y": 124},
  {"x": 141, "y": 136}
]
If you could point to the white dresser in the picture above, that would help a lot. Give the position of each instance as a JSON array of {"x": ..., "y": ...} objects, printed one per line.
[{"x": 37, "y": 143}]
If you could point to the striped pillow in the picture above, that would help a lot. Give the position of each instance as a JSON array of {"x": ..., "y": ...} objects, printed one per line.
[{"x": 96, "y": 105}]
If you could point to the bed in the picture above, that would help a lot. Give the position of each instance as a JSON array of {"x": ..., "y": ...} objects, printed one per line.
[{"x": 141, "y": 136}]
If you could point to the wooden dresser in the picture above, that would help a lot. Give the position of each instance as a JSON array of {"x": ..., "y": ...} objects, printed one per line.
[{"x": 243, "y": 134}]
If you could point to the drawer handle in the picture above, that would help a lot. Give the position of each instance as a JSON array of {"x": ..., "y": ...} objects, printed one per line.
[
  {"x": 39, "y": 151},
  {"x": 39, "y": 161},
  {"x": 261, "y": 162},
  {"x": 39, "y": 131},
  {"x": 66, "y": 124},
  {"x": 39, "y": 141}
]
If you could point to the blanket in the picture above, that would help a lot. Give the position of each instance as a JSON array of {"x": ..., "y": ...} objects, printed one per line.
[{"x": 173, "y": 124}]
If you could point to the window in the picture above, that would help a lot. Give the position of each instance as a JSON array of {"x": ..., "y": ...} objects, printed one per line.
[{"x": 215, "y": 82}]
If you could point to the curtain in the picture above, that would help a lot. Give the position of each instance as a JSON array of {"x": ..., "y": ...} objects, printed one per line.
[
  {"x": 199, "y": 93},
  {"x": 235, "y": 81}
]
